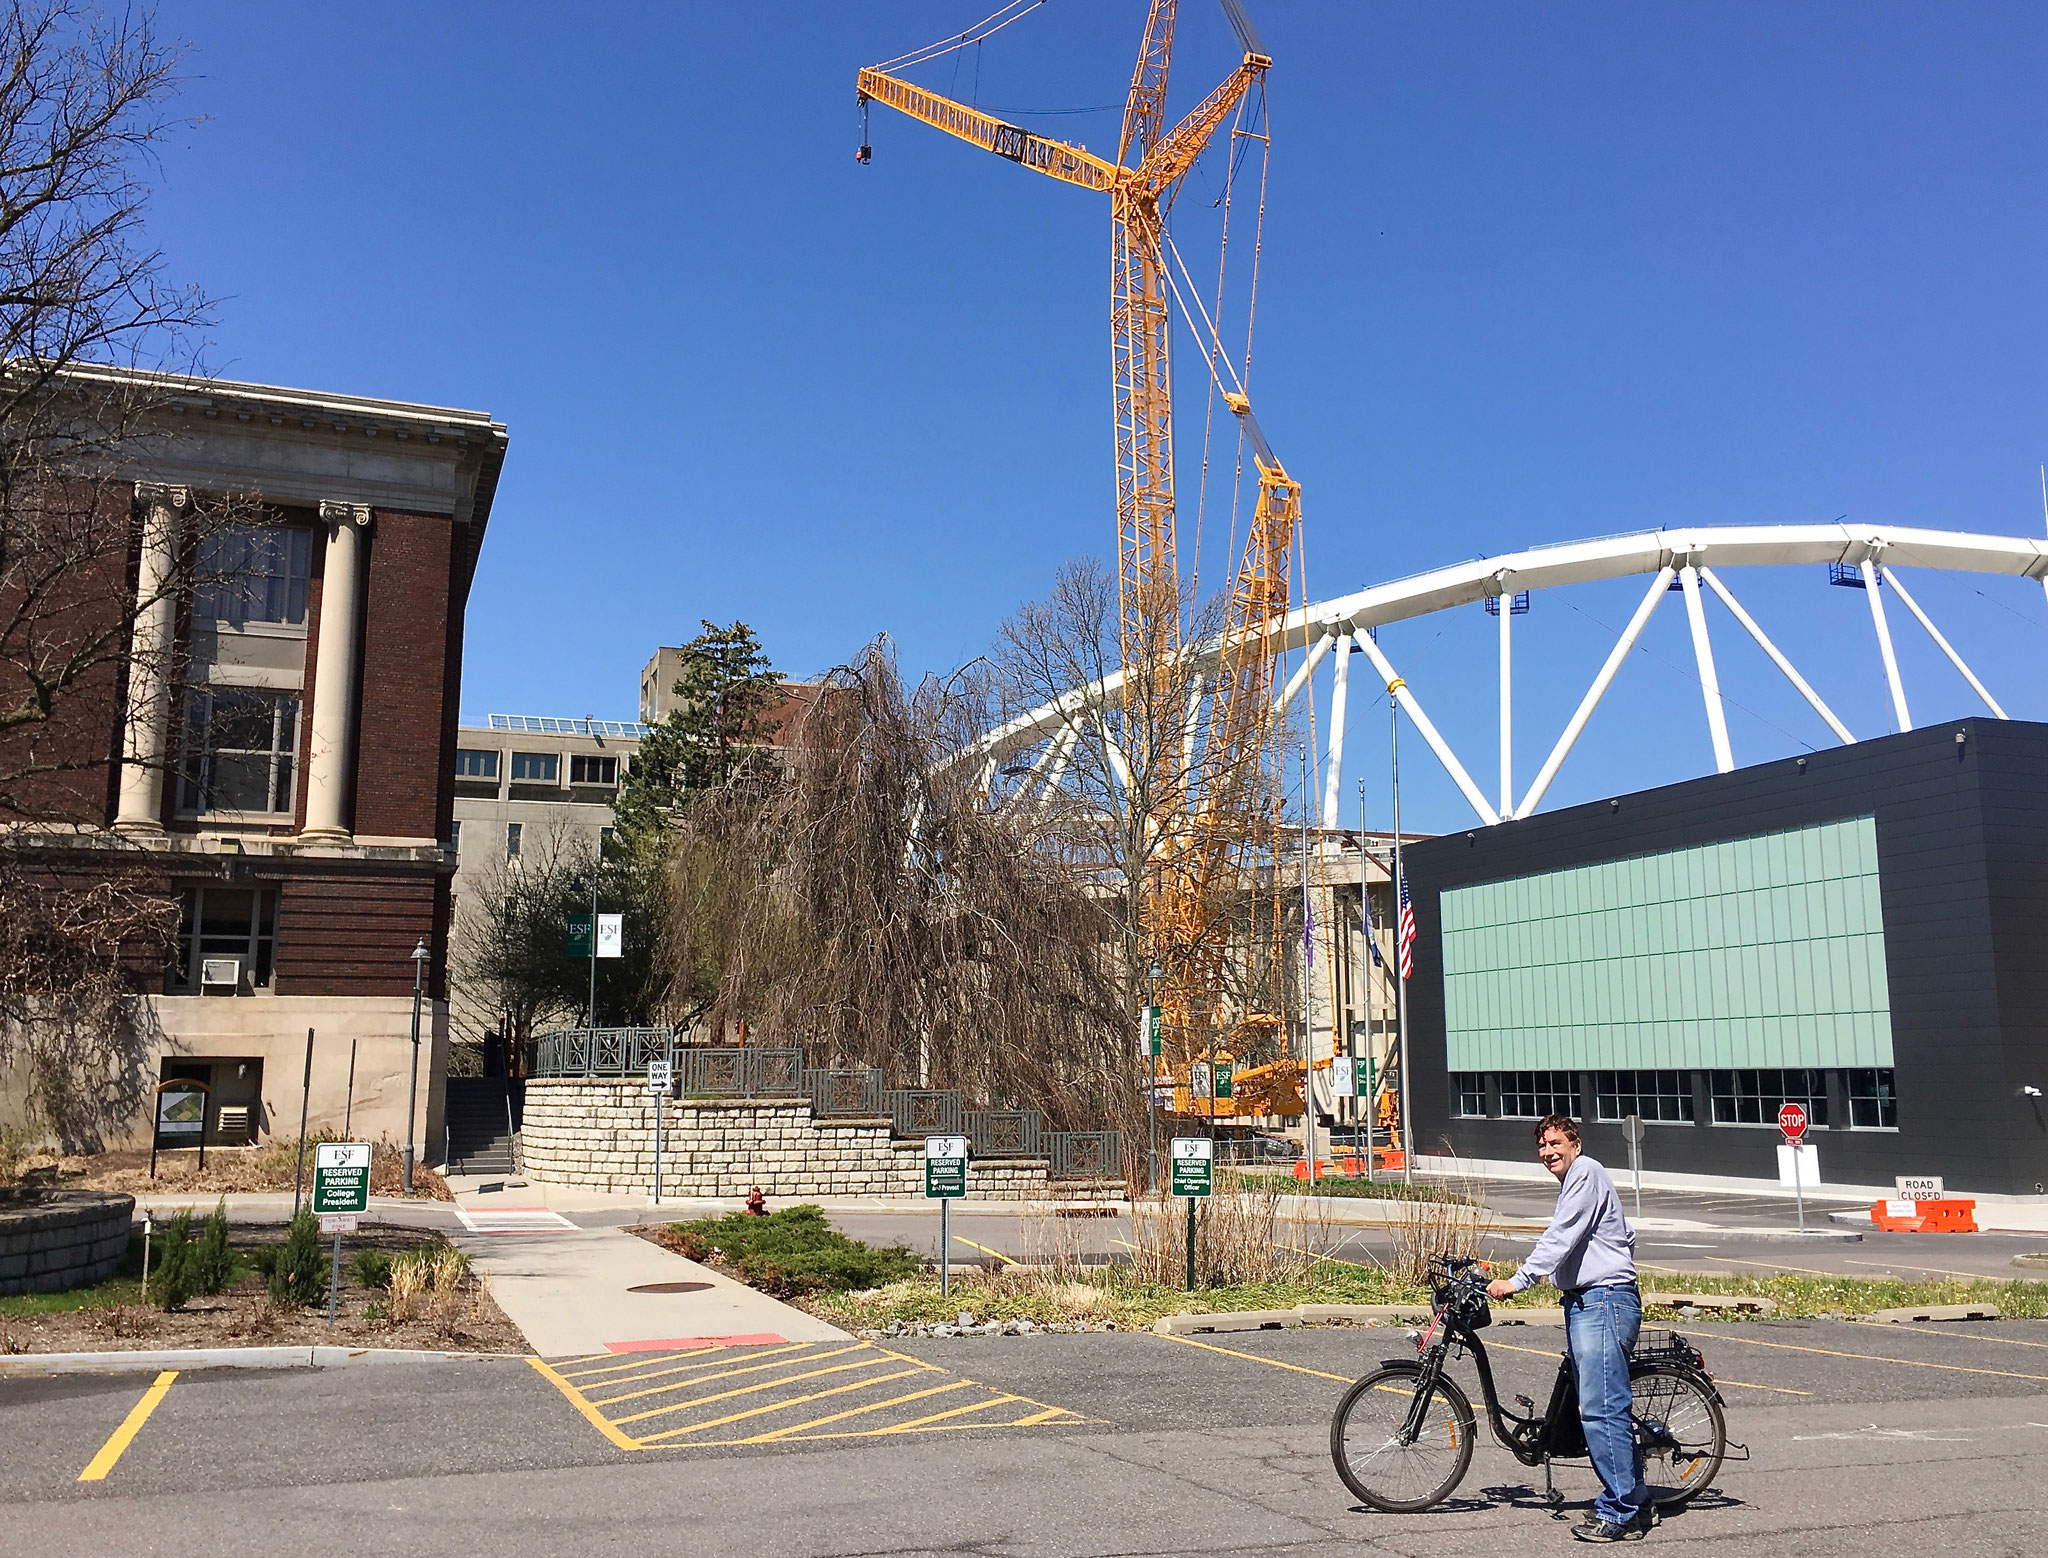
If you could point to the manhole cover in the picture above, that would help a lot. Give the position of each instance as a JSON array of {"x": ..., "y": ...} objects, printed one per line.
[{"x": 670, "y": 1287}]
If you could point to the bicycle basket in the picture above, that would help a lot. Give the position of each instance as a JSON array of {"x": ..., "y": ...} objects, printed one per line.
[
  {"x": 1462, "y": 1304},
  {"x": 1668, "y": 1347}
]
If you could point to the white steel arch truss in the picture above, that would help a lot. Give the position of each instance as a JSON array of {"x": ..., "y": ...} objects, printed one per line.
[{"x": 1675, "y": 560}]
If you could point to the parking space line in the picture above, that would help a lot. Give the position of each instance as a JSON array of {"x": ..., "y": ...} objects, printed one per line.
[
  {"x": 638, "y": 1362},
  {"x": 1783, "y": 1390},
  {"x": 97, "y": 1468},
  {"x": 1231, "y": 1352},
  {"x": 1873, "y": 1357},
  {"x": 997, "y": 1254},
  {"x": 1944, "y": 1271}
]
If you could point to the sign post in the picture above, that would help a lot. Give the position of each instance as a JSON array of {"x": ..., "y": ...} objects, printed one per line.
[
  {"x": 180, "y": 1118},
  {"x": 1632, "y": 1133},
  {"x": 945, "y": 1179},
  {"x": 660, "y": 1074},
  {"x": 1792, "y": 1121},
  {"x": 341, "y": 1194},
  {"x": 1194, "y": 1159}
]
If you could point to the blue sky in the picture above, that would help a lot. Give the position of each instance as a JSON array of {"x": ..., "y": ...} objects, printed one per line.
[{"x": 1530, "y": 274}]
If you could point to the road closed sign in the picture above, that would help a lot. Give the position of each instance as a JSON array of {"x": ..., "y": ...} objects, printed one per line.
[
  {"x": 341, "y": 1177},
  {"x": 1792, "y": 1121}
]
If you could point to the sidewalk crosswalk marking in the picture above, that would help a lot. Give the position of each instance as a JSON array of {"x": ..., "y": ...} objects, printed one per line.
[
  {"x": 514, "y": 1219},
  {"x": 757, "y": 1384}
]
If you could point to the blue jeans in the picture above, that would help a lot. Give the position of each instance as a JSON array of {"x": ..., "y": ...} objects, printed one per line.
[{"x": 1600, "y": 1328}]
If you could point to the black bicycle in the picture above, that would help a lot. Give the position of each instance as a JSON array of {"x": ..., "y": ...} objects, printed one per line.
[{"x": 1402, "y": 1436}]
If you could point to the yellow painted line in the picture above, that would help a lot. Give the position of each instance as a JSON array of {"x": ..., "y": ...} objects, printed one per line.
[
  {"x": 921, "y": 1425},
  {"x": 998, "y": 1254},
  {"x": 860, "y": 1411},
  {"x": 576, "y": 1399},
  {"x": 1873, "y": 1357},
  {"x": 1275, "y": 1363},
  {"x": 696, "y": 1378},
  {"x": 1968, "y": 1276},
  {"x": 1039, "y": 1417},
  {"x": 639, "y": 1362},
  {"x": 1765, "y": 1265},
  {"x": 748, "y": 1390},
  {"x": 778, "y": 1406},
  {"x": 97, "y": 1468},
  {"x": 1783, "y": 1390},
  {"x": 595, "y": 1357}
]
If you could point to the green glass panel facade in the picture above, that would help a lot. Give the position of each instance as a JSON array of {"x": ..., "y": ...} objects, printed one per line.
[{"x": 1765, "y": 951}]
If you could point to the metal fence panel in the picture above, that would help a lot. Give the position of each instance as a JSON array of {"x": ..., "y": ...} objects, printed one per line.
[
  {"x": 1004, "y": 1133},
  {"x": 917, "y": 1111},
  {"x": 1085, "y": 1154},
  {"x": 845, "y": 1092}
]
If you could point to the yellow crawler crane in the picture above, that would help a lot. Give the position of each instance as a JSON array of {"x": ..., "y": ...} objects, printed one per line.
[{"x": 1201, "y": 822}]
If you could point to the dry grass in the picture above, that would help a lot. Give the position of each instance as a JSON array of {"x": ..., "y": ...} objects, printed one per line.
[
  {"x": 1240, "y": 1239},
  {"x": 1455, "y": 1226}
]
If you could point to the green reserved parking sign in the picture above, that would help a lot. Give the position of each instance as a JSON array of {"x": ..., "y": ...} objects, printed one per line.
[{"x": 341, "y": 1178}]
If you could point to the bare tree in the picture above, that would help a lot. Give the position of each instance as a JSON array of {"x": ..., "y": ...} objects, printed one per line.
[{"x": 85, "y": 99}]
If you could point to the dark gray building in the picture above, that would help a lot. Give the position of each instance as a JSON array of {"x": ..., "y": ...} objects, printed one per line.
[{"x": 1863, "y": 930}]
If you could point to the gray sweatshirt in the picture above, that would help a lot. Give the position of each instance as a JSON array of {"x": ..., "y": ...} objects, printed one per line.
[{"x": 1588, "y": 1244}]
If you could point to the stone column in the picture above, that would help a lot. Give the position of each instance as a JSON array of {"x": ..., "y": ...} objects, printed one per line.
[
  {"x": 145, "y": 728},
  {"x": 331, "y": 756}
]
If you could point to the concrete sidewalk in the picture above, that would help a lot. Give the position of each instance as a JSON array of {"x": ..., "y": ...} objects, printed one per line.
[{"x": 571, "y": 1292}]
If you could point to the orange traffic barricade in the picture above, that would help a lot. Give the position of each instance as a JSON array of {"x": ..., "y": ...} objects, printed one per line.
[{"x": 1948, "y": 1214}]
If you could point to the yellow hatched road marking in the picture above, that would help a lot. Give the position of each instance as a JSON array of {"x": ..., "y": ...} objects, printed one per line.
[
  {"x": 639, "y": 1362},
  {"x": 872, "y": 1406},
  {"x": 777, "y": 1406},
  {"x": 698, "y": 1378},
  {"x": 594, "y": 1357},
  {"x": 748, "y": 1390},
  {"x": 918, "y": 1425},
  {"x": 1037, "y": 1417},
  {"x": 97, "y": 1468},
  {"x": 583, "y": 1404},
  {"x": 998, "y": 1254}
]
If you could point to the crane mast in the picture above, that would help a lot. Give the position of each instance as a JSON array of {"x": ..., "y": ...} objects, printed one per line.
[{"x": 1202, "y": 829}]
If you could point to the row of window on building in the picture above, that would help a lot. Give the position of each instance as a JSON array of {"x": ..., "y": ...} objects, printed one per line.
[
  {"x": 1739, "y": 1097},
  {"x": 537, "y": 767},
  {"x": 515, "y": 839}
]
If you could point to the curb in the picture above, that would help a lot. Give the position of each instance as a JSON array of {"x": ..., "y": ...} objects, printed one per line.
[
  {"x": 183, "y": 1358},
  {"x": 1934, "y": 1312}
]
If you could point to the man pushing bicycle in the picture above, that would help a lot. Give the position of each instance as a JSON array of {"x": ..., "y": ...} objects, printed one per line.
[{"x": 1589, "y": 1254}]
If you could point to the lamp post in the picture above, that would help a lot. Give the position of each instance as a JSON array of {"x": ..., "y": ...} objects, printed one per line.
[{"x": 412, "y": 1092}]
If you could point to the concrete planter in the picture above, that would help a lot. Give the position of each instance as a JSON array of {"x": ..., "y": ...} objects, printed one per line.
[{"x": 55, "y": 1240}]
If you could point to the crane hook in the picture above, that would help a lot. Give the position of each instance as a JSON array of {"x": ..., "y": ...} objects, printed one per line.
[{"x": 866, "y": 154}]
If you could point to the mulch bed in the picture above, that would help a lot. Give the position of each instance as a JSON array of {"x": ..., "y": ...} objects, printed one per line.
[
  {"x": 229, "y": 1171},
  {"x": 244, "y": 1316}
]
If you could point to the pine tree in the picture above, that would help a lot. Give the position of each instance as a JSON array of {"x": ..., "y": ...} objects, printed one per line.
[
  {"x": 728, "y": 694},
  {"x": 213, "y": 1263}
]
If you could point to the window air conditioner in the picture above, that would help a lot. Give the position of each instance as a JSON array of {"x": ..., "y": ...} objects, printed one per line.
[{"x": 220, "y": 973}]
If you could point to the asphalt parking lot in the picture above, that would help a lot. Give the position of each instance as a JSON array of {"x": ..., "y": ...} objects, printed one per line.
[{"x": 1092, "y": 1444}]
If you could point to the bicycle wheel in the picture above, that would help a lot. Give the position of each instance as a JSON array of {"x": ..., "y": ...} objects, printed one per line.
[
  {"x": 1365, "y": 1440},
  {"x": 1681, "y": 1430}
]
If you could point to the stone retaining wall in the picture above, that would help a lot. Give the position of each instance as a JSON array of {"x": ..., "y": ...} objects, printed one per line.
[
  {"x": 55, "y": 1240},
  {"x": 599, "y": 1133}
]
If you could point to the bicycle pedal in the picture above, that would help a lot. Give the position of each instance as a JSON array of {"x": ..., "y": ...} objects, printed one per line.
[{"x": 1525, "y": 1403}]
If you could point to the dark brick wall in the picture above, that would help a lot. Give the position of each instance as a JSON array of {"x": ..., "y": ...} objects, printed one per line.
[
  {"x": 350, "y": 930},
  {"x": 1962, "y": 840},
  {"x": 404, "y": 765}
]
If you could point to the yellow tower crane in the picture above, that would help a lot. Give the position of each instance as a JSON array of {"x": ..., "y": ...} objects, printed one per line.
[{"x": 1203, "y": 825}]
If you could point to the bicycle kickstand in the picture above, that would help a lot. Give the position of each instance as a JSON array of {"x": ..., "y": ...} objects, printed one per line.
[{"x": 1551, "y": 1496}]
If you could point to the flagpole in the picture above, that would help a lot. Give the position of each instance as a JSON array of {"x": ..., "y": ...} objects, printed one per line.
[
  {"x": 1308, "y": 988},
  {"x": 1400, "y": 983},
  {"x": 1360, "y": 1111}
]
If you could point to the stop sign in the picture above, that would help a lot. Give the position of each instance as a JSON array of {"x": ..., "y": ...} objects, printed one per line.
[{"x": 1792, "y": 1121}]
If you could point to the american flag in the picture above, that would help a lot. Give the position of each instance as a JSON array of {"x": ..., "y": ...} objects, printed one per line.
[{"x": 1405, "y": 936}]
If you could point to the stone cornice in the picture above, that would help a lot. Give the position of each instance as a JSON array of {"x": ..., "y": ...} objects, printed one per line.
[
  {"x": 169, "y": 494},
  {"x": 334, "y": 512}
]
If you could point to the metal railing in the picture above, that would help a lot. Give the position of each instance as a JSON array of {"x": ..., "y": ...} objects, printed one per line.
[
  {"x": 744, "y": 1072},
  {"x": 924, "y": 1111}
]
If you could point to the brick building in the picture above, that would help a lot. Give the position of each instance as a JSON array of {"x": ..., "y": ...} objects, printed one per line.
[{"x": 293, "y": 786}]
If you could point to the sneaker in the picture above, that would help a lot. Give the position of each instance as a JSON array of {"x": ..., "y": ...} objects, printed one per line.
[{"x": 1594, "y": 1529}]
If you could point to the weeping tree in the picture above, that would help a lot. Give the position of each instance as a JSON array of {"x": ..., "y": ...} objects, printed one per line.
[{"x": 862, "y": 902}]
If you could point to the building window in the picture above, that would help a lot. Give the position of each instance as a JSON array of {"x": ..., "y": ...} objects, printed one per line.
[
  {"x": 1755, "y": 1097},
  {"x": 1530, "y": 1095},
  {"x": 536, "y": 767},
  {"x": 1469, "y": 1090},
  {"x": 475, "y": 764},
  {"x": 604, "y": 839},
  {"x": 1650, "y": 1095},
  {"x": 1873, "y": 1101},
  {"x": 593, "y": 770},
  {"x": 512, "y": 840},
  {"x": 240, "y": 744},
  {"x": 253, "y": 573},
  {"x": 455, "y": 839},
  {"x": 216, "y": 924}
]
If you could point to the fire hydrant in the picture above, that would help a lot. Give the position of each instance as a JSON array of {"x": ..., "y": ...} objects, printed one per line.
[{"x": 757, "y": 1204}]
